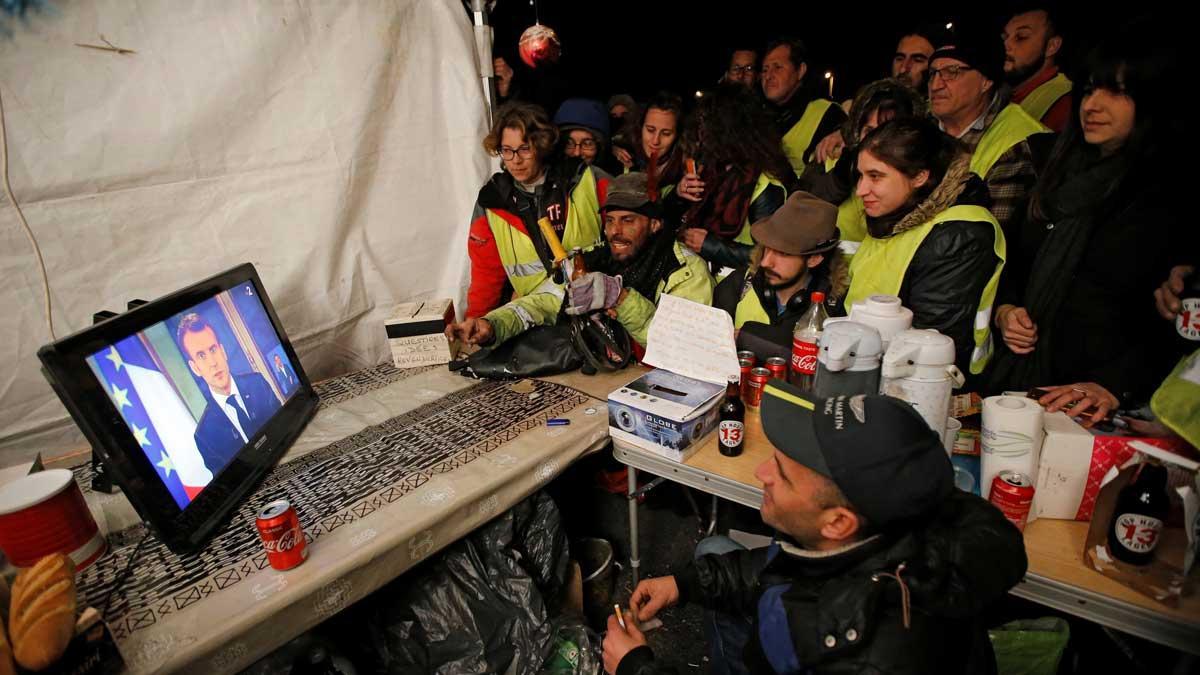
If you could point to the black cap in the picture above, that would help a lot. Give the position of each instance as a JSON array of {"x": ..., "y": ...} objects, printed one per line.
[
  {"x": 975, "y": 46},
  {"x": 877, "y": 449}
]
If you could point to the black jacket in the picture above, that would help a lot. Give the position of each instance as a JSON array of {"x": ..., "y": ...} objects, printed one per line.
[
  {"x": 775, "y": 339},
  {"x": 947, "y": 274},
  {"x": 843, "y": 613},
  {"x": 1105, "y": 329}
]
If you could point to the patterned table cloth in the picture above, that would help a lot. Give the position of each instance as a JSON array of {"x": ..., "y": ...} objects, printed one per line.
[{"x": 396, "y": 465}]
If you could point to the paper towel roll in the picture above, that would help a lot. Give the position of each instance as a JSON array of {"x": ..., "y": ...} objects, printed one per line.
[{"x": 1011, "y": 438}]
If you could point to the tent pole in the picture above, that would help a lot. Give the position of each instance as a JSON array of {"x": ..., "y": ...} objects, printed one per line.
[{"x": 483, "y": 48}]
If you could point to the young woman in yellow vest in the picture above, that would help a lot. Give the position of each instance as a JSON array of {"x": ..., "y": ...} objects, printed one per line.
[
  {"x": 742, "y": 179},
  {"x": 1105, "y": 224},
  {"x": 654, "y": 134},
  {"x": 506, "y": 248},
  {"x": 930, "y": 237},
  {"x": 836, "y": 179}
]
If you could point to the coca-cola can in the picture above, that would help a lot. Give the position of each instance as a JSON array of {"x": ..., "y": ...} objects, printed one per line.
[
  {"x": 759, "y": 377},
  {"x": 1012, "y": 493},
  {"x": 749, "y": 356},
  {"x": 279, "y": 527},
  {"x": 778, "y": 367}
]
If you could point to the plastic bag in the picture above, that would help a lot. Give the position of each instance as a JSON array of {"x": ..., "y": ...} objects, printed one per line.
[
  {"x": 1030, "y": 646},
  {"x": 482, "y": 605},
  {"x": 575, "y": 649}
]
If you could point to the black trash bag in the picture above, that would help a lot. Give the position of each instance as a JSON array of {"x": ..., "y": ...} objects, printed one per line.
[{"x": 483, "y": 605}]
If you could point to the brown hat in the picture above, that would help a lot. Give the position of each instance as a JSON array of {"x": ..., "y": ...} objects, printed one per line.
[{"x": 804, "y": 225}]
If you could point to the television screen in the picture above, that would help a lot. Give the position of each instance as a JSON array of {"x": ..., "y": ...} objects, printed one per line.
[{"x": 188, "y": 400}]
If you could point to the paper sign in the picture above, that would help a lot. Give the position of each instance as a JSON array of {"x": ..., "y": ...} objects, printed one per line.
[{"x": 692, "y": 340}]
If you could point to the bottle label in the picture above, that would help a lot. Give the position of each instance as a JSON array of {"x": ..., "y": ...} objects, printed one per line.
[
  {"x": 804, "y": 357},
  {"x": 1188, "y": 321},
  {"x": 731, "y": 433},
  {"x": 1136, "y": 532}
]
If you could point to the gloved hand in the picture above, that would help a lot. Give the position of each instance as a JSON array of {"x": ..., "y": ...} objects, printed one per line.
[{"x": 592, "y": 291}]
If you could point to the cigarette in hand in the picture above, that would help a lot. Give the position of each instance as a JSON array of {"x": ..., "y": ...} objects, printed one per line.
[{"x": 620, "y": 617}]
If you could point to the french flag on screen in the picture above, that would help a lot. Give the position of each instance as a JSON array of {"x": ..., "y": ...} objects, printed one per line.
[{"x": 157, "y": 417}]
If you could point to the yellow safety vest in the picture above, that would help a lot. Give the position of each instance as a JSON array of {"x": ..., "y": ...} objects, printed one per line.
[
  {"x": 764, "y": 181},
  {"x": 1040, "y": 100},
  {"x": 1176, "y": 403},
  {"x": 749, "y": 308},
  {"x": 800, "y": 136},
  {"x": 517, "y": 253},
  {"x": 879, "y": 266},
  {"x": 1010, "y": 127},
  {"x": 851, "y": 217}
]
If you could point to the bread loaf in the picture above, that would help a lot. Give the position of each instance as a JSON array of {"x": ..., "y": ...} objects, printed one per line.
[{"x": 42, "y": 613}]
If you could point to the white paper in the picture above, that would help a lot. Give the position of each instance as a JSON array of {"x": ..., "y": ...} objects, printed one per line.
[{"x": 692, "y": 340}]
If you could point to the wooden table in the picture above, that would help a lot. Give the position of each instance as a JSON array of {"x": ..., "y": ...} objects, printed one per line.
[{"x": 1057, "y": 575}]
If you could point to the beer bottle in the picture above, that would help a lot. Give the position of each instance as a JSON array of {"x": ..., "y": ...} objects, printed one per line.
[
  {"x": 731, "y": 434},
  {"x": 1139, "y": 514}
]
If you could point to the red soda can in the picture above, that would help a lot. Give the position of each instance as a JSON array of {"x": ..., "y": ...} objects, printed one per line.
[
  {"x": 749, "y": 356},
  {"x": 758, "y": 379},
  {"x": 279, "y": 527},
  {"x": 746, "y": 365},
  {"x": 778, "y": 367},
  {"x": 1012, "y": 493}
]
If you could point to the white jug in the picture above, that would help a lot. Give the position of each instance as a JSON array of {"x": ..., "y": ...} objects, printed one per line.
[
  {"x": 885, "y": 314},
  {"x": 918, "y": 367}
]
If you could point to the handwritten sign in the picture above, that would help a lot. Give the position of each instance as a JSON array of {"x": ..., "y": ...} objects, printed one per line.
[
  {"x": 692, "y": 340},
  {"x": 420, "y": 350}
]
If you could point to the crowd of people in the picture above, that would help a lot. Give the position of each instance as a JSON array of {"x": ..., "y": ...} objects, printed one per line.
[{"x": 1026, "y": 214}]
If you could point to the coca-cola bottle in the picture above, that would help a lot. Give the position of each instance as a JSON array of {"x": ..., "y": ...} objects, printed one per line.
[
  {"x": 804, "y": 343},
  {"x": 1138, "y": 517},
  {"x": 731, "y": 434}
]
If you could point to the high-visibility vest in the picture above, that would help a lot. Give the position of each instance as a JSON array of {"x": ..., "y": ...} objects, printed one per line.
[
  {"x": 1176, "y": 403},
  {"x": 879, "y": 266},
  {"x": 851, "y": 218},
  {"x": 749, "y": 307},
  {"x": 1010, "y": 127},
  {"x": 800, "y": 136},
  {"x": 764, "y": 181},
  {"x": 517, "y": 252},
  {"x": 1040, "y": 100}
]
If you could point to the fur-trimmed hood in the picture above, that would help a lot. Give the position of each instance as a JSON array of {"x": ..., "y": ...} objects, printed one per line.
[{"x": 945, "y": 195}]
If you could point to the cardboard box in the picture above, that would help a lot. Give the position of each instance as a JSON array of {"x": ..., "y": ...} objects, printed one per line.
[
  {"x": 664, "y": 413},
  {"x": 416, "y": 333},
  {"x": 1166, "y": 577},
  {"x": 1073, "y": 464}
]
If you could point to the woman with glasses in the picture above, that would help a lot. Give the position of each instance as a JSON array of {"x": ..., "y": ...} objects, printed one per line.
[
  {"x": 509, "y": 254},
  {"x": 1104, "y": 225},
  {"x": 930, "y": 238},
  {"x": 583, "y": 125}
]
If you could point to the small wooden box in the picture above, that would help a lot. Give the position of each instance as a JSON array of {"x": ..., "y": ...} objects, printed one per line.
[{"x": 416, "y": 333}]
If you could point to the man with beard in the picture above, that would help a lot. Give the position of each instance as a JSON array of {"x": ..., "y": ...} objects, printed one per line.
[
  {"x": 640, "y": 263},
  {"x": 795, "y": 254},
  {"x": 1031, "y": 48}
]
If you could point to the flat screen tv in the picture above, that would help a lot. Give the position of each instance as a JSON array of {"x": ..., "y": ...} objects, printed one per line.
[{"x": 189, "y": 400}]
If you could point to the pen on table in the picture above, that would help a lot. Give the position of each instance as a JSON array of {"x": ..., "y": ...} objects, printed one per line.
[
  {"x": 557, "y": 422},
  {"x": 620, "y": 617}
]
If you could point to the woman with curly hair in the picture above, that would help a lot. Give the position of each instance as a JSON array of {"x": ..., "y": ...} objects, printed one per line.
[
  {"x": 744, "y": 176},
  {"x": 508, "y": 252}
]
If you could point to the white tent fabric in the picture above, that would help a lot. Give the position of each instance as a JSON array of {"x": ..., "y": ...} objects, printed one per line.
[{"x": 333, "y": 144}]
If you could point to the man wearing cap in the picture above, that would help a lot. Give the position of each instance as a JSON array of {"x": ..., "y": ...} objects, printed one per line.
[
  {"x": 640, "y": 262},
  {"x": 966, "y": 97},
  {"x": 584, "y": 128},
  {"x": 795, "y": 254},
  {"x": 880, "y": 565}
]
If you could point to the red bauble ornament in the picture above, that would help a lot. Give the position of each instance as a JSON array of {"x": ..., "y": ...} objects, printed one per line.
[{"x": 539, "y": 45}]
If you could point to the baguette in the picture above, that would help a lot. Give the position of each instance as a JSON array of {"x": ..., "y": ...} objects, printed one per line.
[{"x": 42, "y": 614}]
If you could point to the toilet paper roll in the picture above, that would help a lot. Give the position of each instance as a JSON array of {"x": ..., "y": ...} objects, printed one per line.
[{"x": 1011, "y": 438}]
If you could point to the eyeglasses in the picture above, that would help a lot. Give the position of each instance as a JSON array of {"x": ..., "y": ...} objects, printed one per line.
[
  {"x": 586, "y": 144},
  {"x": 741, "y": 70},
  {"x": 525, "y": 151},
  {"x": 949, "y": 73}
]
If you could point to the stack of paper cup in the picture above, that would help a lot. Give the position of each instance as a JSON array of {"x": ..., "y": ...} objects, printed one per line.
[{"x": 1011, "y": 438}]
